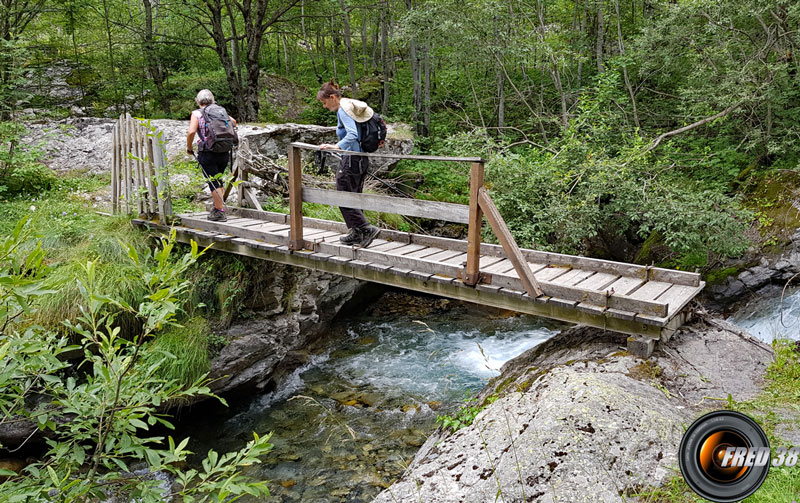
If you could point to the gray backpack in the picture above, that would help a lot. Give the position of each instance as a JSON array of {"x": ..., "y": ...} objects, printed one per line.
[{"x": 219, "y": 134}]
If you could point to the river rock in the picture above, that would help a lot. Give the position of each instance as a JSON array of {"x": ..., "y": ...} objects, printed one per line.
[
  {"x": 578, "y": 419},
  {"x": 294, "y": 307},
  {"x": 769, "y": 271}
]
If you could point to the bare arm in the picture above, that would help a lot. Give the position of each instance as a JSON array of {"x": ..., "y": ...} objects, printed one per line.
[{"x": 193, "y": 125}]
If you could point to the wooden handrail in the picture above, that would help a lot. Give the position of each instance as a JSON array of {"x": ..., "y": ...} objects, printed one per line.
[
  {"x": 436, "y": 210},
  {"x": 381, "y": 155},
  {"x": 479, "y": 203}
]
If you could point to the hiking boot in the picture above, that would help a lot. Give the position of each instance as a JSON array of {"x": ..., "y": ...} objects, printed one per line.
[
  {"x": 352, "y": 238},
  {"x": 216, "y": 215},
  {"x": 368, "y": 233}
]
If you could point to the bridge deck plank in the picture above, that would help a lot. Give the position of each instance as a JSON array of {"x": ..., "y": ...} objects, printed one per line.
[{"x": 572, "y": 287}]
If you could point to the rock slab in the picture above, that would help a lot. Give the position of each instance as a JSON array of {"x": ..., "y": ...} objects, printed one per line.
[{"x": 580, "y": 420}]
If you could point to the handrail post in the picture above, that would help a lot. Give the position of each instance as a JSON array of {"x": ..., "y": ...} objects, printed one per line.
[
  {"x": 295, "y": 199},
  {"x": 473, "y": 274}
]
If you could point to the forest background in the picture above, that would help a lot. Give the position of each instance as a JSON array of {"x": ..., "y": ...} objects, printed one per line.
[{"x": 648, "y": 131}]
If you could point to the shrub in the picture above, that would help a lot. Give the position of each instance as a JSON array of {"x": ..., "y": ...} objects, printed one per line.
[{"x": 20, "y": 169}]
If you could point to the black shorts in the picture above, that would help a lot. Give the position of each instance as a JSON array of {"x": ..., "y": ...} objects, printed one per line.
[{"x": 213, "y": 165}]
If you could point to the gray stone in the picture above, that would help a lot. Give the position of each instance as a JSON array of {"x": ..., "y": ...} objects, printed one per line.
[
  {"x": 84, "y": 143},
  {"x": 579, "y": 420},
  {"x": 732, "y": 289},
  {"x": 296, "y": 307},
  {"x": 757, "y": 276}
]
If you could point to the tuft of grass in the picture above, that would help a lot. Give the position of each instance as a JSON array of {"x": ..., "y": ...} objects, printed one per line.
[
  {"x": 115, "y": 279},
  {"x": 183, "y": 349}
]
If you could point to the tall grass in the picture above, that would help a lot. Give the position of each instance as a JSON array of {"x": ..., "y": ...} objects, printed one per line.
[{"x": 184, "y": 350}]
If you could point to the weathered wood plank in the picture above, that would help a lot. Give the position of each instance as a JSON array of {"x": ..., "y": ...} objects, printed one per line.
[
  {"x": 435, "y": 210},
  {"x": 509, "y": 244},
  {"x": 224, "y": 227},
  {"x": 572, "y": 277},
  {"x": 115, "y": 158},
  {"x": 498, "y": 267},
  {"x": 556, "y": 259},
  {"x": 487, "y": 261},
  {"x": 445, "y": 255},
  {"x": 295, "y": 198},
  {"x": 425, "y": 252},
  {"x": 460, "y": 260},
  {"x": 571, "y": 293},
  {"x": 624, "y": 285},
  {"x": 598, "y": 281},
  {"x": 650, "y": 290},
  {"x": 550, "y": 273},
  {"x": 387, "y": 246},
  {"x": 482, "y": 294},
  {"x": 152, "y": 192},
  {"x": 308, "y": 146},
  {"x": 677, "y": 296}
]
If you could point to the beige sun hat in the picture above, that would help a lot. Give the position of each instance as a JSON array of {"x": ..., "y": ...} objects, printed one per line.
[{"x": 357, "y": 110}]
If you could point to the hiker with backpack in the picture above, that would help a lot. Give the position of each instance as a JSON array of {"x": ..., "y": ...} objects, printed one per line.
[
  {"x": 216, "y": 139},
  {"x": 359, "y": 129}
]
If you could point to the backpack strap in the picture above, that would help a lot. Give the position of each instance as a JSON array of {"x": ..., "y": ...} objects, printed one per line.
[{"x": 205, "y": 125}]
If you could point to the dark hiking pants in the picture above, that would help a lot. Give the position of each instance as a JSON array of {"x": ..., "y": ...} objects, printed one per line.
[{"x": 350, "y": 178}]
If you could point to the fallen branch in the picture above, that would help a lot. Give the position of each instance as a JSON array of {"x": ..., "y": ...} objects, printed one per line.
[{"x": 691, "y": 126}]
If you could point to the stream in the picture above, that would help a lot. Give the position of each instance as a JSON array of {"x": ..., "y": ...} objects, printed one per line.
[
  {"x": 349, "y": 421},
  {"x": 767, "y": 318}
]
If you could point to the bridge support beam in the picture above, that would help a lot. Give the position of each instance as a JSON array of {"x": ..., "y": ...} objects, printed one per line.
[{"x": 473, "y": 274}]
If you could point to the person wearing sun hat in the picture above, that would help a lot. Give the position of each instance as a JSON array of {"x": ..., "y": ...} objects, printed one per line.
[{"x": 352, "y": 168}]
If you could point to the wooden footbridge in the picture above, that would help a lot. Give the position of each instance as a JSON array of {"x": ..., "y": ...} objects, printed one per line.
[{"x": 648, "y": 303}]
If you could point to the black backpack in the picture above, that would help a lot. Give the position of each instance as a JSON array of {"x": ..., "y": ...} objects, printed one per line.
[
  {"x": 219, "y": 134},
  {"x": 372, "y": 133}
]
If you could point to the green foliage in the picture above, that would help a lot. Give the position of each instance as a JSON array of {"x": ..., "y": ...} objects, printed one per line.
[
  {"x": 20, "y": 169},
  {"x": 100, "y": 419},
  {"x": 464, "y": 416}
]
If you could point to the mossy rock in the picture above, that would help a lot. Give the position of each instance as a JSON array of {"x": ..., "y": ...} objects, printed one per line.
[
  {"x": 718, "y": 276},
  {"x": 653, "y": 250}
]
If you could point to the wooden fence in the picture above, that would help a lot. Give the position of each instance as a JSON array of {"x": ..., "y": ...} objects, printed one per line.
[
  {"x": 139, "y": 177},
  {"x": 480, "y": 205}
]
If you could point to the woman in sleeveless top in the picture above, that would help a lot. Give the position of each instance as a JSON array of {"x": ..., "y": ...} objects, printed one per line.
[{"x": 212, "y": 164}]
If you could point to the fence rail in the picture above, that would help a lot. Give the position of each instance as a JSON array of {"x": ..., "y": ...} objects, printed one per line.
[
  {"x": 480, "y": 204},
  {"x": 139, "y": 177}
]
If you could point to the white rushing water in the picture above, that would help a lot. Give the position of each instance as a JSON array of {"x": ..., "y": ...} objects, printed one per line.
[{"x": 768, "y": 318}]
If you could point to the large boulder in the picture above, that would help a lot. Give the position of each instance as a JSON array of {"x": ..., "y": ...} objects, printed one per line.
[
  {"x": 290, "y": 308},
  {"x": 578, "y": 419}
]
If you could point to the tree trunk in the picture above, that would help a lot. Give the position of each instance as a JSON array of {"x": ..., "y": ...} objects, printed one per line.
[
  {"x": 600, "y": 34},
  {"x": 154, "y": 67},
  {"x": 426, "y": 129},
  {"x": 415, "y": 75},
  {"x": 385, "y": 55},
  {"x": 348, "y": 43},
  {"x": 306, "y": 43},
  {"x": 120, "y": 100},
  {"x": 245, "y": 93},
  {"x": 236, "y": 56},
  {"x": 625, "y": 68}
]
